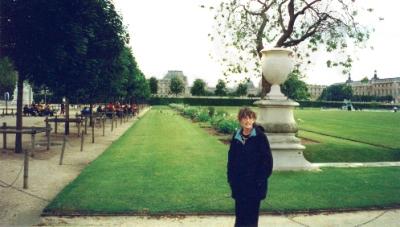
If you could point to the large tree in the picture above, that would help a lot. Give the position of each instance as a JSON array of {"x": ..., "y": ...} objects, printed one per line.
[
  {"x": 8, "y": 77},
  {"x": 72, "y": 47},
  {"x": 153, "y": 85},
  {"x": 176, "y": 86},
  {"x": 294, "y": 88},
  {"x": 133, "y": 86},
  {"x": 337, "y": 92},
  {"x": 246, "y": 26},
  {"x": 199, "y": 88},
  {"x": 220, "y": 88},
  {"x": 241, "y": 89}
]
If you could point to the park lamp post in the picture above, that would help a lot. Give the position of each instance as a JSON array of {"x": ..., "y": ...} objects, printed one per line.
[
  {"x": 6, "y": 98},
  {"x": 45, "y": 92},
  {"x": 45, "y": 96}
]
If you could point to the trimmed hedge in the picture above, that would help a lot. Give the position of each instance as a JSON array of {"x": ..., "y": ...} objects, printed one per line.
[
  {"x": 220, "y": 120},
  {"x": 207, "y": 101},
  {"x": 337, "y": 104},
  {"x": 203, "y": 101}
]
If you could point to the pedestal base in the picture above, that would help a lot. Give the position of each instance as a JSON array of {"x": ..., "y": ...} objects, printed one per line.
[
  {"x": 276, "y": 116},
  {"x": 287, "y": 152}
]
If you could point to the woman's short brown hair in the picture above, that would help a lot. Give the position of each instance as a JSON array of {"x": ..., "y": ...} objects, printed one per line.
[{"x": 246, "y": 112}]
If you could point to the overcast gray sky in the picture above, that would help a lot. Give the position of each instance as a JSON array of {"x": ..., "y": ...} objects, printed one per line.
[{"x": 172, "y": 35}]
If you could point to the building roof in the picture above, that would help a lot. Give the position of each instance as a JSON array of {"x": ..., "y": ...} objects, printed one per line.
[{"x": 175, "y": 73}]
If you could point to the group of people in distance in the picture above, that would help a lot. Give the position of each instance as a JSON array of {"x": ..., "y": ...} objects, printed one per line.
[
  {"x": 118, "y": 109},
  {"x": 38, "y": 110}
]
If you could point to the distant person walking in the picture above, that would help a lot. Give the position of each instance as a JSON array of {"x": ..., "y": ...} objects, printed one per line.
[
  {"x": 62, "y": 109},
  {"x": 249, "y": 167}
]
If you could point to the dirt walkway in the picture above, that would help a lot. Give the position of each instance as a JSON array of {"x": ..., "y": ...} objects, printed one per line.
[{"x": 46, "y": 177}]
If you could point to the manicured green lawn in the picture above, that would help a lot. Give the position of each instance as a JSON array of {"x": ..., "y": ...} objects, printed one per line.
[
  {"x": 331, "y": 149},
  {"x": 378, "y": 128},
  {"x": 357, "y": 136},
  {"x": 165, "y": 164}
]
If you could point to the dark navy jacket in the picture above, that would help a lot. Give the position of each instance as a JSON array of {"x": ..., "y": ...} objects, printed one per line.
[{"x": 249, "y": 164}]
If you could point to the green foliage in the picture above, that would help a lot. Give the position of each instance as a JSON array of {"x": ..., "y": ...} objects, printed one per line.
[
  {"x": 203, "y": 101},
  {"x": 337, "y": 92},
  {"x": 365, "y": 80},
  {"x": 294, "y": 88},
  {"x": 372, "y": 98},
  {"x": 203, "y": 116},
  {"x": 199, "y": 88},
  {"x": 214, "y": 121},
  {"x": 132, "y": 84},
  {"x": 220, "y": 121},
  {"x": 227, "y": 126},
  {"x": 211, "y": 111},
  {"x": 176, "y": 86},
  {"x": 72, "y": 47},
  {"x": 245, "y": 27},
  {"x": 250, "y": 102},
  {"x": 153, "y": 85},
  {"x": 191, "y": 112},
  {"x": 220, "y": 88},
  {"x": 8, "y": 77},
  {"x": 241, "y": 90}
]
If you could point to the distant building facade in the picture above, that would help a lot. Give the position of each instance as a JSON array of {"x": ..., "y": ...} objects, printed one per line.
[
  {"x": 251, "y": 89},
  {"x": 27, "y": 94},
  {"x": 377, "y": 87},
  {"x": 164, "y": 84},
  {"x": 315, "y": 90}
]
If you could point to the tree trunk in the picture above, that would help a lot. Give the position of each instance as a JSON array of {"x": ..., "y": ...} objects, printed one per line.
[
  {"x": 91, "y": 114},
  {"x": 265, "y": 86},
  {"x": 66, "y": 125},
  {"x": 18, "y": 136}
]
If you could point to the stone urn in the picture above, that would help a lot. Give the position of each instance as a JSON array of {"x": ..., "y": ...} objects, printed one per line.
[
  {"x": 276, "y": 112},
  {"x": 277, "y": 64}
]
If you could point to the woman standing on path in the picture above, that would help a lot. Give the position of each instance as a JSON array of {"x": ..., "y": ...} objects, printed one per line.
[{"x": 249, "y": 166}]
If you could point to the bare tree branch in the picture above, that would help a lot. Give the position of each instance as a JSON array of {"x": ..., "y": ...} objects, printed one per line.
[
  {"x": 281, "y": 15},
  {"x": 259, "y": 44}
]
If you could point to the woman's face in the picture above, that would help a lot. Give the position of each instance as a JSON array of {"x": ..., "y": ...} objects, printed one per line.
[{"x": 247, "y": 122}]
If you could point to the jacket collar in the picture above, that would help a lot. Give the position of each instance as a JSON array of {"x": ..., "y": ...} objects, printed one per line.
[{"x": 239, "y": 137}]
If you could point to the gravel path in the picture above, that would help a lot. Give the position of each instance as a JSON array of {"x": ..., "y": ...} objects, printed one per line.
[{"x": 21, "y": 207}]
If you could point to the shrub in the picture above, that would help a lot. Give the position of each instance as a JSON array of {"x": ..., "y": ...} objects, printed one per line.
[
  {"x": 203, "y": 116},
  {"x": 178, "y": 107},
  {"x": 227, "y": 126},
  {"x": 211, "y": 111},
  {"x": 222, "y": 113},
  {"x": 203, "y": 101},
  {"x": 214, "y": 121},
  {"x": 191, "y": 112}
]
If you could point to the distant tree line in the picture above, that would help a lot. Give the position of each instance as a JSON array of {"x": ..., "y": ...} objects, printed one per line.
[
  {"x": 372, "y": 98},
  {"x": 294, "y": 88}
]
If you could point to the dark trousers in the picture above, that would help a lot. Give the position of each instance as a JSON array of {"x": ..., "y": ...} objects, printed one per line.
[{"x": 246, "y": 211}]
